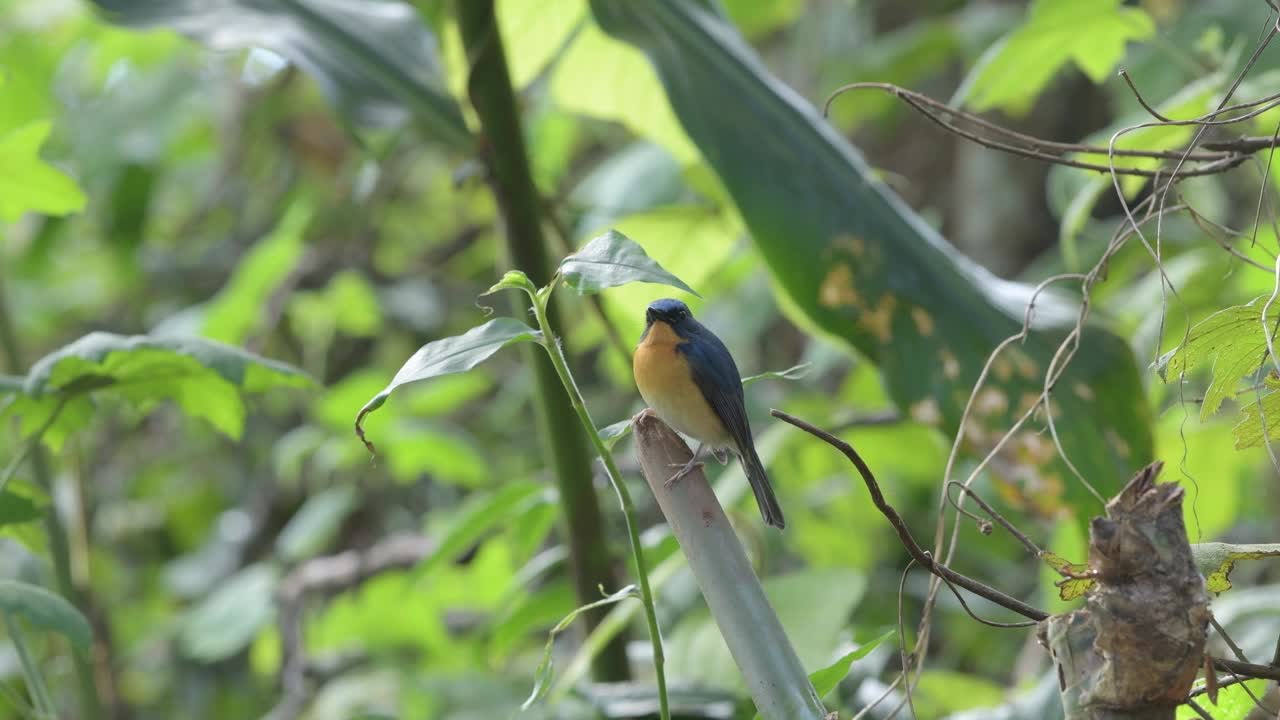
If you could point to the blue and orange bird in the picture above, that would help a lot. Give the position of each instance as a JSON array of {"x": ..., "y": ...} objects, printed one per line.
[{"x": 686, "y": 374}]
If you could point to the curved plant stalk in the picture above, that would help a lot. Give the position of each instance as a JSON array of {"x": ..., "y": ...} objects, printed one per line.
[
  {"x": 775, "y": 678},
  {"x": 540, "y": 299}
]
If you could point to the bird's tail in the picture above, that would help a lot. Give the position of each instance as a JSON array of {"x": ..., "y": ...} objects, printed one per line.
[{"x": 765, "y": 498}]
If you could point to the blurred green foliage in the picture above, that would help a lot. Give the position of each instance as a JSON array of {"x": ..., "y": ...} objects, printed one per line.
[{"x": 223, "y": 254}]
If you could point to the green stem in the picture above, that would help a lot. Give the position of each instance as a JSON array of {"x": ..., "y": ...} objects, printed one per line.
[
  {"x": 556, "y": 354},
  {"x": 90, "y": 706},
  {"x": 502, "y": 148},
  {"x": 39, "y": 692}
]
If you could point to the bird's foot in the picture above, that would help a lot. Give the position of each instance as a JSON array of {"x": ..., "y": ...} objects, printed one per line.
[
  {"x": 721, "y": 454},
  {"x": 685, "y": 469}
]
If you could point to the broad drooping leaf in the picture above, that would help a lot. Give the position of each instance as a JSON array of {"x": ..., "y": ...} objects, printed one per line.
[
  {"x": 375, "y": 59},
  {"x": 46, "y": 611},
  {"x": 1092, "y": 34},
  {"x": 1231, "y": 342},
  {"x": 28, "y": 183},
  {"x": 856, "y": 263},
  {"x": 205, "y": 379},
  {"x": 611, "y": 260},
  {"x": 452, "y": 355}
]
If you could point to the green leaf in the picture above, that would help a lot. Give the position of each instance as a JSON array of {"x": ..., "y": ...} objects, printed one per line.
[
  {"x": 315, "y": 524},
  {"x": 28, "y": 183},
  {"x": 851, "y": 261},
  {"x": 16, "y": 509},
  {"x": 1234, "y": 702},
  {"x": 603, "y": 78},
  {"x": 1217, "y": 560},
  {"x": 479, "y": 515},
  {"x": 227, "y": 620},
  {"x": 376, "y": 61},
  {"x": 1092, "y": 34},
  {"x": 1229, "y": 341},
  {"x": 1249, "y": 432},
  {"x": 611, "y": 434},
  {"x": 826, "y": 679},
  {"x": 451, "y": 355},
  {"x": 611, "y": 260},
  {"x": 205, "y": 379},
  {"x": 46, "y": 611},
  {"x": 236, "y": 311},
  {"x": 546, "y": 668}
]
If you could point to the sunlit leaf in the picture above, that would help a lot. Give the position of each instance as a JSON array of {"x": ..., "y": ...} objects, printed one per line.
[
  {"x": 227, "y": 620},
  {"x": 942, "y": 692},
  {"x": 28, "y": 183},
  {"x": 46, "y": 611},
  {"x": 1264, "y": 411},
  {"x": 614, "y": 259},
  {"x": 376, "y": 60},
  {"x": 1229, "y": 341},
  {"x": 452, "y": 355},
  {"x": 237, "y": 310},
  {"x": 1217, "y": 560},
  {"x": 1234, "y": 702},
  {"x": 1092, "y": 34},
  {"x": 204, "y": 378}
]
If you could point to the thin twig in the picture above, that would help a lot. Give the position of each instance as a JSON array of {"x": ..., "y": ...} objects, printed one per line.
[
  {"x": 1249, "y": 670},
  {"x": 904, "y": 534},
  {"x": 1198, "y": 710}
]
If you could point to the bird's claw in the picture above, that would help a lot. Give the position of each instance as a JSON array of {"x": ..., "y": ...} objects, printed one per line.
[{"x": 685, "y": 469}]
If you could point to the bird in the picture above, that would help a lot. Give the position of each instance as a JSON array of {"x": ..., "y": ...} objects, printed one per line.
[{"x": 687, "y": 376}]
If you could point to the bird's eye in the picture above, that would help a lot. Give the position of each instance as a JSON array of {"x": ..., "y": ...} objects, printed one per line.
[{"x": 681, "y": 314}]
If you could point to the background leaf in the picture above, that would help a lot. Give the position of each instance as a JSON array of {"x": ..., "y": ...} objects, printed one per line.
[
  {"x": 46, "y": 611},
  {"x": 375, "y": 60},
  {"x": 29, "y": 184}
]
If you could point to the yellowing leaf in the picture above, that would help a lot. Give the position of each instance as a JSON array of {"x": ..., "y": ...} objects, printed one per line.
[
  {"x": 1092, "y": 34},
  {"x": 1070, "y": 586},
  {"x": 29, "y": 184},
  {"x": 1217, "y": 560}
]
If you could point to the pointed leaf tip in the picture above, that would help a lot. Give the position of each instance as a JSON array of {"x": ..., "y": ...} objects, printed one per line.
[
  {"x": 611, "y": 260},
  {"x": 450, "y": 355}
]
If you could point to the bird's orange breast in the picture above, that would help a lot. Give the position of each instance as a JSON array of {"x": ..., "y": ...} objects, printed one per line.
[{"x": 665, "y": 381}]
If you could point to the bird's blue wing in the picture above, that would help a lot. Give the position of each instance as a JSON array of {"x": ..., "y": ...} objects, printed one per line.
[{"x": 716, "y": 375}]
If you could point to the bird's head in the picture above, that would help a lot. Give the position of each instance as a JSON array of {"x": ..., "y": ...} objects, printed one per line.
[{"x": 669, "y": 312}]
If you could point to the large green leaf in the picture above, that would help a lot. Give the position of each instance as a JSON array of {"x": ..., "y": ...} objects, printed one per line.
[
  {"x": 46, "y": 611},
  {"x": 1091, "y": 34},
  {"x": 854, "y": 262},
  {"x": 375, "y": 59},
  {"x": 1230, "y": 341},
  {"x": 206, "y": 379}
]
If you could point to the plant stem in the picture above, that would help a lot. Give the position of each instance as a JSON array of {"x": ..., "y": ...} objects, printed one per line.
[
  {"x": 615, "y": 478},
  {"x": 502, "y": 148},
  {"x": 36, "y": 687},
  {"x": 90, "y": 706}
]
